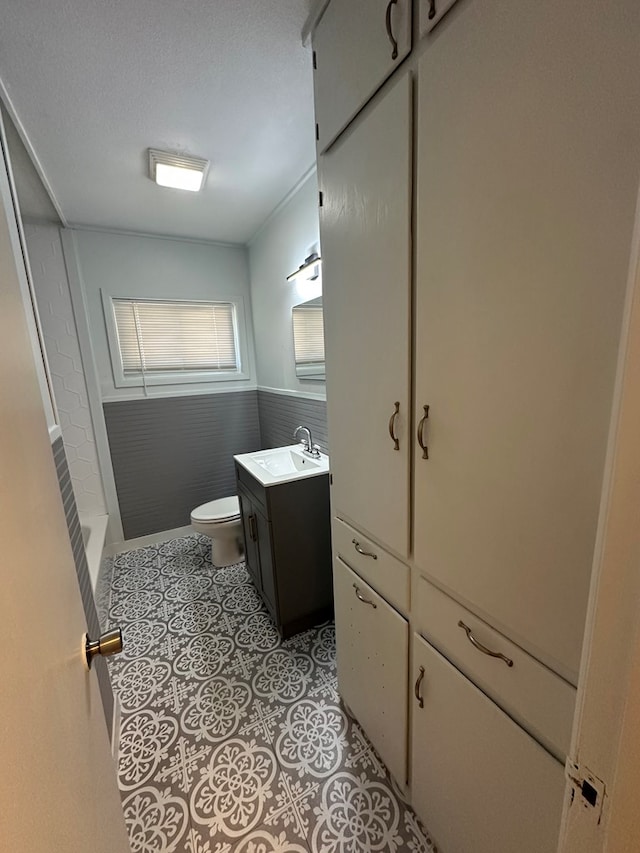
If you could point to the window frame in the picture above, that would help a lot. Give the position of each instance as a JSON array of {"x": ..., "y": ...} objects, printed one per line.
[{"x": 183, "y": 377}]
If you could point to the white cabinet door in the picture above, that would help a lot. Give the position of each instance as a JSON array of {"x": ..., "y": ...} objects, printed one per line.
[
  {"x": 372, "y": 647},
  {"x": 357, "y": 44},
  {"x": 432, "y": 12},
  {"x": 526, "y": 199},
  {"x": 365, "y": 237},
  {"x": 479, "y": 781}
]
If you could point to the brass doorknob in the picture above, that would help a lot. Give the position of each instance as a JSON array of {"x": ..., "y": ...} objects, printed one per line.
[{"x": 107, "y": 644}]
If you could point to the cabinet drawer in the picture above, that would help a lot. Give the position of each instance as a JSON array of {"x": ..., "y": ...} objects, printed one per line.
[
  {"x": 354, "y": 54},
  {"x": 479, "y": 781},
  {"x": 372, "y": 648},
  {"x": 385, "y": 573},
  {"x": 539, "y": 699}
]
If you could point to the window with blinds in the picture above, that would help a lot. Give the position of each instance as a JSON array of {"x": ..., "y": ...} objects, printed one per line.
[
  {"x": 308, "y": 338},
  {"x": 156, "y": 337}
]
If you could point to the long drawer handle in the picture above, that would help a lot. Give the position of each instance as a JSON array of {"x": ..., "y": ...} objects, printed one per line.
[
  {"x": 432, "y": 10},
  {"x": 416, "y": 689},
  {"x": 421, "y": 423},
  {"x": 361, "y": 597},
  {"x": 360, "y": 550},
  {"x": 394, "y": 43},
  {"x": 252, "y": 528},
  {"x": 481, "y": 648},
  {"x": 392, "y": 427}
]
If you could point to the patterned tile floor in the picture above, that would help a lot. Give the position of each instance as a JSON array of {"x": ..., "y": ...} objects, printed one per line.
[{"x": 233, "y": 741}]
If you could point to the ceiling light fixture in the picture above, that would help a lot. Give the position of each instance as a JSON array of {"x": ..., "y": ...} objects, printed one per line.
[
  {"x": 177, "y": 171},
  {"x": 309, "y": 270}
]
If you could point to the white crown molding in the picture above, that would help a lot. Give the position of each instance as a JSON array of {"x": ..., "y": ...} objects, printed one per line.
[
  {"x": 282, "y": 203},
  {"x": 121, "y": 232}
]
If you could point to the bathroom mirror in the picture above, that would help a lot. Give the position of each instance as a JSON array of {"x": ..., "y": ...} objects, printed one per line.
[{"x": 308, "y": 339}]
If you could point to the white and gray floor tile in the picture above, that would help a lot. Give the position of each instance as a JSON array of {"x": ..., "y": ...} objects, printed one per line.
[{"x": 233, "y": 741}]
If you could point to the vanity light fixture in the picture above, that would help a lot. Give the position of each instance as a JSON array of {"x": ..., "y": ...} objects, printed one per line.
[
  {"x": 309, "y": 270},
  {"x": 177, "y": 171}
]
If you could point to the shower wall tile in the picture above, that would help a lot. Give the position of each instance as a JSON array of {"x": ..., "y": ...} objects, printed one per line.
[{"x": 65, "y": 364}]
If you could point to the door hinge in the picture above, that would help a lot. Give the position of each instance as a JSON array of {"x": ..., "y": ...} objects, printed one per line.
[
  {"x": 320, "y": 199},
  {"x": 331, "y": 479},
  {"x": 317, "y": 132},
  {"x": 589, "y": 792},
  {"x": 315, "y": 61}
]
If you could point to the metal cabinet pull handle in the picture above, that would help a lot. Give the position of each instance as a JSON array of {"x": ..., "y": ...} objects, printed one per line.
[
  {"x": 356, "y": 545},
  {"x": 394, "y": 43},
  {"x": 416, "y": 689},
  {"x": 361, "y": 597},
  {"x": 252, "y": 528},
  {"x": 432, "y": 10},
  {"x": 392, "y": 425},
  {"x": 481, "y": 648},
  {"x": 421, "y": 423}
]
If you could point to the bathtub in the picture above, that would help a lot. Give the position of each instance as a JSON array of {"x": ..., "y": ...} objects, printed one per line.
[{"x": 94, "y": 529}]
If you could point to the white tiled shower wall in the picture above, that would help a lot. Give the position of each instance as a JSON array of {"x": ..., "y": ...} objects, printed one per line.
[{"x": 65, "y": 363}]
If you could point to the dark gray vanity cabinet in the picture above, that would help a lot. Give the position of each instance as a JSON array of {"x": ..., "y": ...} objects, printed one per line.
[{"x": 287, "y": 537}]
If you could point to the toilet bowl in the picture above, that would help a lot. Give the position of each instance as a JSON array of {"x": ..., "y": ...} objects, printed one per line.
[{"x": 220, "y": 521}]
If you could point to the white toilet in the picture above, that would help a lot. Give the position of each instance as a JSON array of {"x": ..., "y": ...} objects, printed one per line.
[{"x": 220, "y": 521}]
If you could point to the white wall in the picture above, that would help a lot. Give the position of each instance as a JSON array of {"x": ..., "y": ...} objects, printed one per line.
[
  {"x": 65, "y": 364},
  {"x": 149, "y": 267},
  {"x": 277, "y": 250}
]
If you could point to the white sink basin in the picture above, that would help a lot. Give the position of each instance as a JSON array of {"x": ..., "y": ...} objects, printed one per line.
[{"x": 282, "y": 464}]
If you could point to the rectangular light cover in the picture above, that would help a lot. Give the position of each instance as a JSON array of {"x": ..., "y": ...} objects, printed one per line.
[
  {"x": 176, "y": 171},
  {"x": 178, "y": 177}
]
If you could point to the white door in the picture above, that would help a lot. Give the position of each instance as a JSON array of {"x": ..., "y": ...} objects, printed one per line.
[
  {"x": 365, "y": 225},
  {"x": 527, "y": 177},
  {"x": 58, "y": 789}
]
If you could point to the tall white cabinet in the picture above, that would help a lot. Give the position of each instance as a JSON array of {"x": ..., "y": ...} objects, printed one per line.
[
  {"x": 366, "y": 244},
  {"x": 476, "y": 222},
  {"x": 527, "y": 175}
]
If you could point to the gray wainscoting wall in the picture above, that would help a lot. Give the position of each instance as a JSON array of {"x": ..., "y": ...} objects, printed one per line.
[
  {"x": 280, "y": 414},
  {"x": 171, "y": 454},
  {"x": 82, "y": 570}
]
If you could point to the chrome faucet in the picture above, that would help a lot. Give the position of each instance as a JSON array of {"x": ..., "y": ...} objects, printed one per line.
[{"x": 310, "y": 448}]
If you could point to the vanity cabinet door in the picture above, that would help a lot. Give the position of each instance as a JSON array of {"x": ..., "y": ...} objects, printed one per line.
[
  {"x": 356, "y": 45},
  {"x": 267, "y": 570},
  {"x": 250, "y": 531},
  {"x": 372, "y": 647},
  {"x": 479, "y": 781},
  {"x": 365, "y": 222}
]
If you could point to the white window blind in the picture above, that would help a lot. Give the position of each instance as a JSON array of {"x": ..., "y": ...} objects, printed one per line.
[
  {"x": 175, "y": 337},
  {"x": 308, "y": 334}
]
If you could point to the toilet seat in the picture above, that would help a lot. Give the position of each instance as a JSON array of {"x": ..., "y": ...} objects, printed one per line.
[{"x": 219, "y": 511}]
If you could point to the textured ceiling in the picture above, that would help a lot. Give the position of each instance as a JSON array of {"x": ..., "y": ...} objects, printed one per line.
[{"x": 95, "y": 83}]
